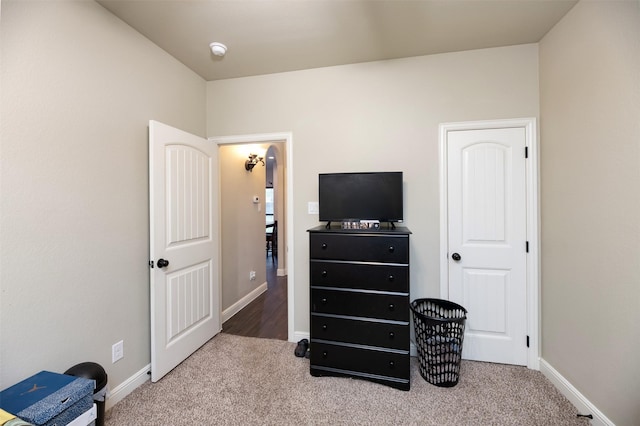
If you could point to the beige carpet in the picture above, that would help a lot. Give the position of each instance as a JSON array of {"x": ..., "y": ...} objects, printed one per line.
[{"x": 235, "y": 380}]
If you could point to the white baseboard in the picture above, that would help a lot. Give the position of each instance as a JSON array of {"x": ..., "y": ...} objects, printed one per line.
[
  {"x": 281, "y": 272},
  {"x": 583, "y": 405},
  {"x": 299, "y": 335},
  {"x": 413, "y": 349},
  {"x": 237, "y": 307},
  {"x": 126, "y": 387}
]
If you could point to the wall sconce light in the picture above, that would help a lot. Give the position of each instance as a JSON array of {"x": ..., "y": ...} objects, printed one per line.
[{"x": 252, "y": 161}]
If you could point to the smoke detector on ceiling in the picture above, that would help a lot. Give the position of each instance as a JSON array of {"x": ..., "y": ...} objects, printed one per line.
[{"x": 218, "y": 49}]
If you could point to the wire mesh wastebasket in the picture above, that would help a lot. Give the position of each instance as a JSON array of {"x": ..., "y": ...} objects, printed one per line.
[{"x": 439, "y": 329}]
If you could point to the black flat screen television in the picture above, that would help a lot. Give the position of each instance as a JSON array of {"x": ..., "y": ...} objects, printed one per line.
[{"x": 362, "y": 196}]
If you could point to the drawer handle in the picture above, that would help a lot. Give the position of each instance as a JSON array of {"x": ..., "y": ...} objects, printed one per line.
[
  {"x": 324, "y": 300},
  {"x": 324, "y": 246},
  {"x": 324, "y": 327},
  {"x": 325, "y": 354},
  {"x": 391, "y": 364},
  {"x": 391, "y": 249},
  {"x": 391, "y": 335},
  {"x": 391, "y": 307},
  {"x": 324, "y": 274},
  {"x": 391, "y": 278}
]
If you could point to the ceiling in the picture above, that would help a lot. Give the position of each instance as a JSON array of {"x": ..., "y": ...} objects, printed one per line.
[{"x": 270, "y": 36}]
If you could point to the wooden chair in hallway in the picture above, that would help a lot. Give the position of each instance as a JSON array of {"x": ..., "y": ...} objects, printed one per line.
[{"x": 272, "y": 241}]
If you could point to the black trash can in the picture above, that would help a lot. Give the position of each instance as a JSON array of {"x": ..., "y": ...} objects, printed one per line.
[
  {"x": 439, "y": 329},
  {"x": 93, "y": 371}
]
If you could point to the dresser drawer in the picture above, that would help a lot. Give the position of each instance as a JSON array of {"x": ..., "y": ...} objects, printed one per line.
[
  {"x": 365, "y": 248},
  {"x": 360, "y": 276},
  {"x": 371, "y": 333},
  {"x": 360, "y": 304},
  {"x": 354, "y": 359}
]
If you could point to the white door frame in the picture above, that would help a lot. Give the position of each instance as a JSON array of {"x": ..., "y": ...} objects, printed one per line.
[
  {"x": 288, "y": 207},
  {"x": 533, "y": 217}
]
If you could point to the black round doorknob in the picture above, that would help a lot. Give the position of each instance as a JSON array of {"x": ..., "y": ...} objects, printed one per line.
[
  {"x": 162, "y": 263},
  {"x": 456, "y": 256}
]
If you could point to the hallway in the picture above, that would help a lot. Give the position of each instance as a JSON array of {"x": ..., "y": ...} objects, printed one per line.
[{"x": 266, "y": 316}]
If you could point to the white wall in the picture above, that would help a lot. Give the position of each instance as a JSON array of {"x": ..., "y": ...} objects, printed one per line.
[
  {"x": 78, "y": 89},
  {"x": 376, "y": 116},
  {"x": 242, "y": 222},
  {"x": 590, "y": 170}
]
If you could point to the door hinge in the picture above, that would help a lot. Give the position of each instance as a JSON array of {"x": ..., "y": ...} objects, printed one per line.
[
  {"x": 526, "y": 152},
  {"x": 527, "y": 247},
  {"x": 527, "y": 341},
  {"x": 151, "y": 263}
]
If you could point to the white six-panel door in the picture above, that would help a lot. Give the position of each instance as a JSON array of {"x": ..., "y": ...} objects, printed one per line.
[
  {"x": 487, "y": 265},
  {"x": 185, "y": 295}
]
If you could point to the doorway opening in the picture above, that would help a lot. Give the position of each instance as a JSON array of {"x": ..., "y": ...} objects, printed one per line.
[{"x": 256, "y": 300}]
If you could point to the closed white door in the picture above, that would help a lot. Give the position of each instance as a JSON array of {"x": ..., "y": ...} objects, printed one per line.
[
  {"x": 185, "y": 295},
  {"x": 487, "y": 245}
]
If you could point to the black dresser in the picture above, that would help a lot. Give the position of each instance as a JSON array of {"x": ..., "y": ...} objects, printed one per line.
[{"x": 360, "y": 304}]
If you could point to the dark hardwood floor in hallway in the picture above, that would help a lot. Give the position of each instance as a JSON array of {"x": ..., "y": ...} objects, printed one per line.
[{"x": 266, "y": 316}]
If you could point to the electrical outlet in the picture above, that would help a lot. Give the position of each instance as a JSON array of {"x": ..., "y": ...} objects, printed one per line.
[
  {"x": 117, "y": 351},
  {"x": 252, "y": 275}
]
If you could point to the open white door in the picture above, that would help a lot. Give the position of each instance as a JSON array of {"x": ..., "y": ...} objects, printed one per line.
[{"x": 185, "y": 296}]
